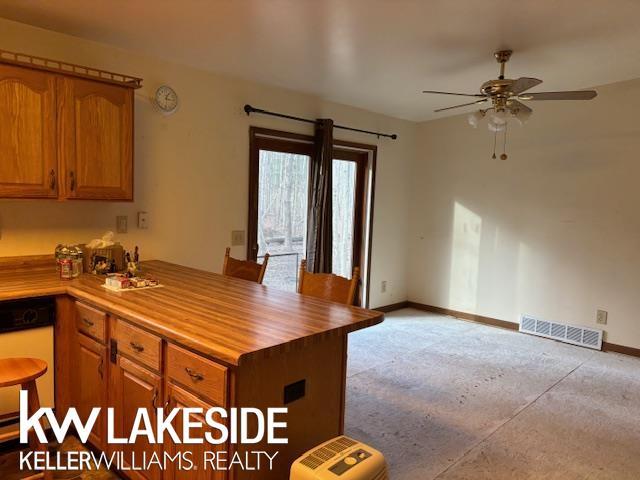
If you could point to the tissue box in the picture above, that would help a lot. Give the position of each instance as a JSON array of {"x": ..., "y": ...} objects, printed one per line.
[{"x": 114, "y": 252}]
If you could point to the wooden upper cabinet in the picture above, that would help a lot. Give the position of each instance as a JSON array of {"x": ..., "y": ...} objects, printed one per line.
[
  {"x": 95, "y": 122},
  {"x": 28, "y": 163}
]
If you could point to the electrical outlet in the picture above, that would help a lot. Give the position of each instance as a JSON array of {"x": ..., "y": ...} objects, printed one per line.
[
  {"x": 122, "y": 223},
  {"x": 383, "y": 286},
  {"x": 237, "y": 238},
  {"x": 143, "y": 220},
  {"x": 601, "y": 317}
]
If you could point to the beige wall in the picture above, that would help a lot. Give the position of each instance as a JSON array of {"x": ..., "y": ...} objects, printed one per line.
[
  {"x": 554, "y": 231},
  {"x": 192, "y": 167}
]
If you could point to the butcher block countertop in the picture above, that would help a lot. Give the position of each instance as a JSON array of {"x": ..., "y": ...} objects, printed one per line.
[{"x": 227, "y": 319}]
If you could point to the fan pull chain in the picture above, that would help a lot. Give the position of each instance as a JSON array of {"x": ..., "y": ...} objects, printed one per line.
[
  {"x": 504, "y": 145},
  {"x": 495, "y": 136}
]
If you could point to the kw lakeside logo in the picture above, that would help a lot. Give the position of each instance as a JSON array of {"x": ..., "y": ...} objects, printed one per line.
[{"x": 243, "y": 426}]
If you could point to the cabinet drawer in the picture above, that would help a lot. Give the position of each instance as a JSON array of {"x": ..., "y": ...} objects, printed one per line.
[
  {"x": 200, "y": 375},
  {"x": 91, "y": 321},
  {"x": 137, "y": 344}
]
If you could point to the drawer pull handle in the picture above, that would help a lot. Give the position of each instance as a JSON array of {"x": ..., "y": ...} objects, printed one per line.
[
  {"x": 52, "y": 179},
  {"x": 101, "y": 368},
  {"x": 136, "y": 346},
  {"x": 195, "y": 376},
  {"x": 72, "y": 182},
  {"x": 155, "y": 396},
  {"x": 87, "y": 322}
]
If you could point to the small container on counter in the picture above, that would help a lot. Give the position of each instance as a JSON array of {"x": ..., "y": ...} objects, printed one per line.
[
  {"x": 66, "y": 268},
  {"x": 68, "y": 261},
  {"x": 77, "y": 260}
]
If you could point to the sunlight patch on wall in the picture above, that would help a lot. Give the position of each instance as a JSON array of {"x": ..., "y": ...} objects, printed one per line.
[{"x": 465, "y": 259}]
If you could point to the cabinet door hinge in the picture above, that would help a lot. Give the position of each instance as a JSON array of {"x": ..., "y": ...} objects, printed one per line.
[{"x": 114, "y": 350}]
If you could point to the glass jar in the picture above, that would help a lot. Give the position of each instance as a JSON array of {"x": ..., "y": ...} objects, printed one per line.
[
  {"x": 75, "y": 254},
  {"x": 58, "y": 256},
  {"x": 64, "y": 262}
]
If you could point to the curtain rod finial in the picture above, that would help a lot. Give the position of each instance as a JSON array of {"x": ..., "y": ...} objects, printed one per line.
[
  {"x": 394, "y": 136},
  {"x": 248, "y": 109}
]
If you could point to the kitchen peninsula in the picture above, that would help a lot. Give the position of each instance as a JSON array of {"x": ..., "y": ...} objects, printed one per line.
[{"x": 200, "y": 340}]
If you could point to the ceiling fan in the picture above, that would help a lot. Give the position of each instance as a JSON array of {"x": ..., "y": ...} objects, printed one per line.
[{"x": 505, "y": 95}]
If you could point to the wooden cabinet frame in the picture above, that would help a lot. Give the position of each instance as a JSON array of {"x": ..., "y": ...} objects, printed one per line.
[
  {"x": 64, "y": 137},
  {"x": 28, "y": 134},
  {"x": 260, "y": 382}
]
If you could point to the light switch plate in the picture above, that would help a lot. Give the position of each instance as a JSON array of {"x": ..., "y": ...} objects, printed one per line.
[
  {"x": 122, "y": 223},
  {"x": 143, "y": 220},
  {"x": 601, "y": 317},
  {"x": 237, "y": 238}
]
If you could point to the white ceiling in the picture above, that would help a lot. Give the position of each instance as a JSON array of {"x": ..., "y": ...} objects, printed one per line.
[{"x": 374, "y": 54}]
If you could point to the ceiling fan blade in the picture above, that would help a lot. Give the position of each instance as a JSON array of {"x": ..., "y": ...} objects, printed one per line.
[
  {"x": 516, "y": 105},
  {"x": 524, "y": 83},
  {"x": 576, "y": 95},
  {"x": 452, "y": 93},
  {"x": 462, "y": 105}
]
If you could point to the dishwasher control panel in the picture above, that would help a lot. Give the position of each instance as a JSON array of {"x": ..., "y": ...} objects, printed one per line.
[{"x": 25, "y": 314}]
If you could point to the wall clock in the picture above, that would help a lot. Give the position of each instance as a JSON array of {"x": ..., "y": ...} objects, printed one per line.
[{"x": 166, "y": 100}]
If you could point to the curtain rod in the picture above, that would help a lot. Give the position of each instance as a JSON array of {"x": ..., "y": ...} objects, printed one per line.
[{"x": 249, "y": 109}]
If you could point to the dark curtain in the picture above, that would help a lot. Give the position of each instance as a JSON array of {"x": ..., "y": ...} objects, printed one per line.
[{"x": 320, "y": 218}]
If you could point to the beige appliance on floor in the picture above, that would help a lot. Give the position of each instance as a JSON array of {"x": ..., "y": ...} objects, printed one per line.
[
  {"x": 26, "y": 330},
  {"x": 341, "y": 458}
]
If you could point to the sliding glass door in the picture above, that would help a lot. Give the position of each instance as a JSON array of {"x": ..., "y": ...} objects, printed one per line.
[
  {"x": 348, "y": 185},
  {"x": 283, "y": 193},
  {"x": 278, "y": 206}
]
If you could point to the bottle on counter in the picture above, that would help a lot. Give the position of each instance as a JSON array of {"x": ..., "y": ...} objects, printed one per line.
[
  {"x": 65, "y": 263},
  {"x": 58, "y": 256},
  {"x": 75, "y": 253}
]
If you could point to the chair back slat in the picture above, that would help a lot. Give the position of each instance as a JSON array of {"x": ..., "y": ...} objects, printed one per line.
[
  {"x": 328, "y": 286},
  {"x": 244, "y": 269}
]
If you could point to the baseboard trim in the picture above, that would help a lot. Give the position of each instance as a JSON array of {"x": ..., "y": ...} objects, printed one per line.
[
  {"x": 393, "y": 307},
  {"x": 613, "y": 347},
  {"x": 494, "y": 322}
]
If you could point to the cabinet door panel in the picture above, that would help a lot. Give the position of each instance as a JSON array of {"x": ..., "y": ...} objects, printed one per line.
[
  {"x": 90, "y": 385},
  {"x": 96, "y": 127},
  {"x": 134, "y": 388},
  {"x": 27, "y": 133},
  {"x": 179, "y": 398}
]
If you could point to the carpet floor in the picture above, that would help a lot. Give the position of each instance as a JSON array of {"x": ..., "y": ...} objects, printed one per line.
[{"x": 447, "y": 399}]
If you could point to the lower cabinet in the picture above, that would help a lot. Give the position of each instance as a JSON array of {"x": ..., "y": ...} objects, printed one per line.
[
  {"x": 133, "y": 386},
  {"x": 180, "y": 398},
  {"x": 89, "y": 384},
  {"x": 140, "y": 370}
]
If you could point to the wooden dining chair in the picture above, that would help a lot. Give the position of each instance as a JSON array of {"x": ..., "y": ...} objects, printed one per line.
[
  {"x": 244, "y": 269},
  {"x": 328, "y": 285}
]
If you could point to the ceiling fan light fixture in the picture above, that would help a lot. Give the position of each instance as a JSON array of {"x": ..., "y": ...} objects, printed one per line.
[
  {"x": 496, "y": 127},
  {"x": 475, "y": 117},
  {"x": 499, "y": 117},
  {"x": 522, "y": 116}
]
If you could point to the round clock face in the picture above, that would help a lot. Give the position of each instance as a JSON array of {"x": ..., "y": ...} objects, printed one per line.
[{"x": 166, "y": 99}]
